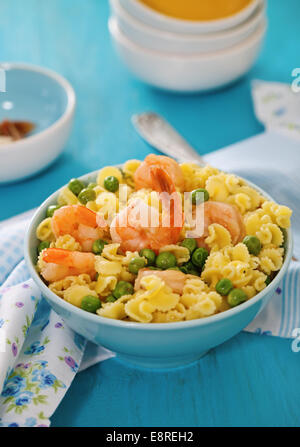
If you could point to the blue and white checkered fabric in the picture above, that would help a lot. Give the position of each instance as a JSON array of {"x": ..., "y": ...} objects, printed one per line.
[{"x": 11, "y": 248}]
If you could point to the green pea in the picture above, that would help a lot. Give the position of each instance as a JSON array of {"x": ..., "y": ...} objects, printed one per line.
[
  {"x": 123, "y": 288},
  {"x": 189, "y": 243},
  {"x": 153, "y": 268},
  {"x": 51, "y": 210},
  {"x": 98, "y": 246},
  {"x": 110, "y": 299},
  {"x": 174, "y": 268},
  {"x": 149, "y": 255},
  {"x": 268, "y": 280},
  {"x": 224, "y": 286},
  {"x": 189, "y": 272},
  {"x": 284, "y": 242},
  {"x": 165, "y": 260},
  {"x": 91, "y": 185},
  {"x": 253, "y": 244},
  {"x": 76, "y": 186},
  {"x": 86, "y": 195},
  {"x": 189, "y": 268},
  {"x": 43, "y": 245},
  {"x": 199, "y": 195},
  {"x": 236, "y": 297},
  {"x": 136, "y": 264},
  {"x": 90, "y": 303},
  {"x": 111, "y": 183},
  {"x": 199, "y": 257}
]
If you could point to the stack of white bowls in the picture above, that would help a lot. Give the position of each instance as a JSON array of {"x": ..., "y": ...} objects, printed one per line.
[{"x": 183, "y": 55}]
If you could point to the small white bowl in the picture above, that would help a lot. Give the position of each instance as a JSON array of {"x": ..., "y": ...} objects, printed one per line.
[
  {"x": 47, "y": 100},
  {"x": 153, "y": 39},
  {"x": 187, "y": 73},
  {"x": 163, "y": 22}
]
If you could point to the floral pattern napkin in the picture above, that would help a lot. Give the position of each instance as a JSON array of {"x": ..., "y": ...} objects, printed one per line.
[{"x": 39, "y": 356}]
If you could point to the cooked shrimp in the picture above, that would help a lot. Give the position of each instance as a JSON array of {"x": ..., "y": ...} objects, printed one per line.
[
  {"x": 80, "y": 222},
  {"x": 224, "y": 214},
  {"x": 144, "y": 179},
  {"x": 141, "y": 226},
  {"x": 61, "y": 263},
  {"x": 173, "y": 278}
]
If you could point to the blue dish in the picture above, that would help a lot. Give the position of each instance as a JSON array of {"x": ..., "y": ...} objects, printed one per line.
[{"x": 156, "y": 345}]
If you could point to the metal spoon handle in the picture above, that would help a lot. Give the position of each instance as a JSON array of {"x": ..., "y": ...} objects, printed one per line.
[{"x": 156, "y": 131}]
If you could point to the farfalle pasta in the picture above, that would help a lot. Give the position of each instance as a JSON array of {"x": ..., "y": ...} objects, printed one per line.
[{"x": 122, "y": 247}]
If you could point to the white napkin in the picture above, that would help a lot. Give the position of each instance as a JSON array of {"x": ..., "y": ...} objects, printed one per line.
[{"x": 277, "y": 106}]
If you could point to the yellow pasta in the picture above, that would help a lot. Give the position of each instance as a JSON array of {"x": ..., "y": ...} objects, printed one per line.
[
  {"x": 107, "y": 205},
  {"x": 196, "y": 176},
  {"x": 182, "y": 254},
  {"x": 44, "y": 231},
  {"x": 75, "y": 293},
  {"x": 107, "y": 172},
  {"x": 219, "y": 237},
  {"x": 114, "y": 310},
  {"x": 280, "y": 214},
  {"x": 66, "y": 197},
  {"x": 129, "y": 169},
  {"x": 67, "y": 242},
  {"x": 105, "y": 285},
  {"x": 271, "y": 259},
  {"x": 107, "y": 268}
]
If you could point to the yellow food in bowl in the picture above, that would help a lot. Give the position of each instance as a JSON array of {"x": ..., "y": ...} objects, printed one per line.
[
  {"x": 122, "y": 252},
  {"x": 197, "y": 9}
]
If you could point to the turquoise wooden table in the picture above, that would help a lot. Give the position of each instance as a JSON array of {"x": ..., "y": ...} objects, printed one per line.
[{"x": 250, "y": 380}]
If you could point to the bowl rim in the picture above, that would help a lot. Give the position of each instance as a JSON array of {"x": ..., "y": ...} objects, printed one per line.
[
  {"x": 256, "y": 16},
  {"x": 180, "y": 325},
  {"x": 119, "y": 36},
  {"x": 195, "y": 24},
  {"x": 65, "y": 117}
]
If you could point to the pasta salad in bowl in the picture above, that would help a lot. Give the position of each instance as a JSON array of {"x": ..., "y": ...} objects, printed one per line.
[{"x": 156, "y": 260}]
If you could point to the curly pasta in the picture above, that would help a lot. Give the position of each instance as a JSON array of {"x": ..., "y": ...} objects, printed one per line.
[
  {"x": 218, "y": 237},
  {"x": 129, "y": 169},
  {"x": 182, "y": 254},
  {"x": 76, "y": 292},
  {"x": 271, "y": 259},
  {"x": 66, "y": 197},
  {"x": 44, "y": 230},
  {"x": 107, "y": 172},
  {"x": 67, "y": 242},
  {"x": 196, "y": 176}
]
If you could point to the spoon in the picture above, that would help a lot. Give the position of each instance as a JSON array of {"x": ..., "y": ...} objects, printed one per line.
[{"x": 157, "y": 132}]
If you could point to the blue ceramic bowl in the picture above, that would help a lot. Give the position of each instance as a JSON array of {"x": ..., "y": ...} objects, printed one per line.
[
  {"x": 159, "y": 345},
  {"x": 46, "y": 99}
]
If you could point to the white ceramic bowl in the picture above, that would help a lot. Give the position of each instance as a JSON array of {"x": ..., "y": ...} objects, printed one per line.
[
  {"x": 187, "y": 73},
  {"x": 165, "y": 41},
  {"x": 160, "y": 21},
  {"x": 45, "y": 98}
]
